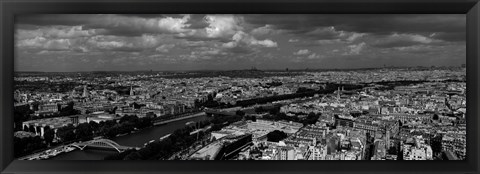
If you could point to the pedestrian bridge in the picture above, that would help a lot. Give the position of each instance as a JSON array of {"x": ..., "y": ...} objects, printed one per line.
[{"x": 101, "y": 143}]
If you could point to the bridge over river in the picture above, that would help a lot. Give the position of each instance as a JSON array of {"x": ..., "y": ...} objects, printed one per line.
[{"x": 101, "y": 143}]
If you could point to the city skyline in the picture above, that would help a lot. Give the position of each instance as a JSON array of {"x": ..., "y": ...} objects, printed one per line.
[{"x": 107, "y": 42}]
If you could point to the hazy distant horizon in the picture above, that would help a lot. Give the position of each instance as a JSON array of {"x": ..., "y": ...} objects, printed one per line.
[
  {"x": 213, "y": 70},
  {"x": 130, "y": 42}
]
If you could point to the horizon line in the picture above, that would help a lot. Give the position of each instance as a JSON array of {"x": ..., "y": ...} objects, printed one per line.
[{"x": 253, "y": 68}]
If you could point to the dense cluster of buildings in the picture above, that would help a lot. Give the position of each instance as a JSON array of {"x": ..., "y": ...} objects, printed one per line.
[
  {"x": 416, "y": 121},
  {"x": 421, "y": 121}
]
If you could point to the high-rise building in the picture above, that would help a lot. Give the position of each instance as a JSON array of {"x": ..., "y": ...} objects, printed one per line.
[
  {"x": 131, "y": 91},
  {"x": 338, "y": 93},
  {"x": 85, "y": 91}
]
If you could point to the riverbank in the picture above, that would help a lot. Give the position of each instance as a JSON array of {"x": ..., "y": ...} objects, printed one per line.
[
  {"x": 48, "y": 153},
  {"x": 178, "y": 119},
  {"x": 136, "y": 139}
]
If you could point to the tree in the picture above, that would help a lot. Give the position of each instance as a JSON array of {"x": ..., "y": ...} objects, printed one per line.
[
  {"x": 253, "y": 118},
  {"x": 144, "y": 122},
  {"x": 275, "y": 110},
  {"x": 259, "y": 110},
  {"x": 312, "y": 118},
  {"x": 240, "y": 113},
  {"x": 94, "y": 125},
  {"x": 151, "y": 115},
  {"x": 276, "y": 136},
  {"x": 27, "y": 145},
  {"x": 32, "y": 129},
  {"x": 393, "y": 150},
  {"x": 38, "y": 129},
  {"x": 111, "y": 132},
  {"x": 66, "y": 133},
  {"x": 84, "y": 131},
  {"x": 48, "y": 135},
  {"x": 136, "y": 105},
  {"x": 35, "y": 105},
  {"x": 210, "y": 97},
  {"x": 129, "y": 119},
  {"x": 435, "y": 117}
]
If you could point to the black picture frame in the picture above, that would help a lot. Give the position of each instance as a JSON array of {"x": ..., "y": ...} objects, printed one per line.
[{"x": 10, "y": 8}]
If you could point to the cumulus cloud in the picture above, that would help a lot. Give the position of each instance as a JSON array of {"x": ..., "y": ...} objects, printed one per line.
[
  {"x": 68, "y": 32},
  {"x": 243, "y": 38},
  {"x": 325, "y": 33},
  {"x": 213, "y": 27},
  {"x": 81, "y": 49},
  {"x": 120, "y": 25},
  {"x": 222, "y": 25},
  {"x": 302, "y": 52},
  {"x": 165, "y": 48},
  {"x": 130, "y": 44},
  {"x": 315, "y": 56},
  {"x": 355, "y": 49},
  {"x": 230, "y": 38},
  {"x": 355, "y": 36},
  {"x": 265, "y": 30},
  {"x": 403, "y": 40},
  {"x": 293, "y": 40},
  {"x": 135, "y": 26},
  {"x": 44, "y": 43},
  {"x": 58, "y": 44},
  {"x": 364, "y": 23},
  {"x": 265, "y": 43}
]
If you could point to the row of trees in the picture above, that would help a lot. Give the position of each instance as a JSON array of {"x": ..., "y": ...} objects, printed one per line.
[
  {"x": 276, "y": 115},
  {"x": 48, "y": 133},
  {"x": 27, "y": 145},
  {"x": 301, "y": 92}
]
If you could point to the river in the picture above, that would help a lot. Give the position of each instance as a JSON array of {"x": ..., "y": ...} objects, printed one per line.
[{"x": 137, "y": 139}]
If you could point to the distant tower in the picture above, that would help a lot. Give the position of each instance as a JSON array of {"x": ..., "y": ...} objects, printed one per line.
[
  {"x": 85, "y": 91},
  {"x": 338, "y": 93},
  {"x": 387, "y": 138},
  {"x": 131, "y": 90}
]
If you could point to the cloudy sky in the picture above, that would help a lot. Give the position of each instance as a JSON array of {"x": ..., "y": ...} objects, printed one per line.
[{"x": 107, "y": 42}]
